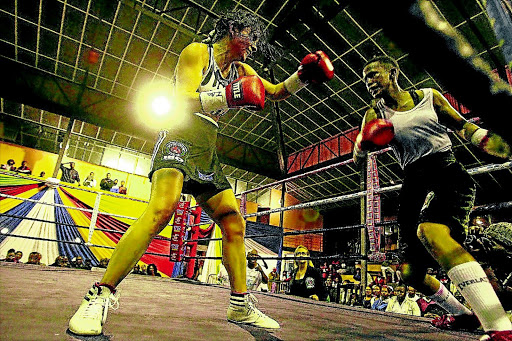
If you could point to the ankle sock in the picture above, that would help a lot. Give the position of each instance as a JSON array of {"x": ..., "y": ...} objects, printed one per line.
[{"x": 474, "y": 286}]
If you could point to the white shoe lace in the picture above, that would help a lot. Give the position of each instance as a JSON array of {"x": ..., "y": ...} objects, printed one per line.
[
  {"x": 252, "y": 301},
  {"x": 113, "y": 300},
  {"x": 97, "y": 304}
]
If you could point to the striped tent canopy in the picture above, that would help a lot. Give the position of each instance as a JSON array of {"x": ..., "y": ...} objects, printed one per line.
[{"x": 54, "y": 221}]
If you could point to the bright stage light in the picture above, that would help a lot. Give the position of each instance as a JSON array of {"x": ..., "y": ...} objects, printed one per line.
[
  {"x": 5, "y": 230},
  {"x": 78, "y": 240},
  {"x": 157, "y": 107},
  {"x": 161, "y": 105}
]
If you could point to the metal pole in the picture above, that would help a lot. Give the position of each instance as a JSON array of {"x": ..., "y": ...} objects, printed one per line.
[
  {"x": 62, "y": 150},
  {"x": 364, "y": 252}
]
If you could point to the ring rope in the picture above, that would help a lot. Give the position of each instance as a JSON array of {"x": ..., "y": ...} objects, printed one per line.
[
  {"x": 473, "y": 171},
  {"x": 77, "y": 243}
]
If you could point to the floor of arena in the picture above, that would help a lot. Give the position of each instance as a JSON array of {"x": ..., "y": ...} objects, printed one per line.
[{"x": 37, "y": 302}]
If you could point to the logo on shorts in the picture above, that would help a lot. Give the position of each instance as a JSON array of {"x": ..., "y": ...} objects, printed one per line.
[
  {"x": 175, "y": 151},
  {"x": 205, "y": 177},
  {"x": 310, "y": 282}
]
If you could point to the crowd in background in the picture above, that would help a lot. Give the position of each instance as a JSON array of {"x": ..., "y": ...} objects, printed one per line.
[{"x": 72, "y": 176}]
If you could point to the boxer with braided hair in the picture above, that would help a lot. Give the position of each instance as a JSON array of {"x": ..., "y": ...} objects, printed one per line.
[
  {"x": 437, "y": 193},
  {"x": 210, "y": 78}
]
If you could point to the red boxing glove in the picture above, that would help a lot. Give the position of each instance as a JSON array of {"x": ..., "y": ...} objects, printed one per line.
[
  {"x": 378, "y": 132},
  {"x": 247, "y": 92},
  {"x": 316, "y": 68}
]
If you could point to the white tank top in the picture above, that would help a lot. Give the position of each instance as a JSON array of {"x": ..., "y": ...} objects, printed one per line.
[
  {"x": 417, "y": 131},
  {"x": 213, "y": 80}
]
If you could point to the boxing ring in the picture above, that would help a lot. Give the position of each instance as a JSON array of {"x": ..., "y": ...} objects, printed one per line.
[
  {"x": 37, "y": 303},
  {"x": 153, "y": 308}
]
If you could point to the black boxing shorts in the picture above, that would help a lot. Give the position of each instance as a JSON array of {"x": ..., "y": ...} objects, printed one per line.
[
  {"x": 436, "y": 189},
  {"x": 191, "y": 148}
]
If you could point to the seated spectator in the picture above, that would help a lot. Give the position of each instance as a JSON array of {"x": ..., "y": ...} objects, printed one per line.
[
  {"x": 104, "y": 262},
  {"x": 42, "y": 174},
  {"x": 143, "y": 269},
  {"x": 90, "y": 181},
  {"x": 115, "y": 187},
  {"x": 306, "y": 281},
  {"x": 24, "y": 169},
  {"x": 354, "y": 300},
  {"x": 10, "y": 257},
  {"x": 411, "y": 293},
  {"x": 122, "y": 188},
  {"x": 367, "y": 299},
  {"x": 106, "y": 183},
  {"x": 34, "y": 258},
  {"x": 69, "y": 175},
  {"x": 382, "y": 302},
  {"x": 18, "y": 256},
  {"x": 136, "y": 269},
  {"x": 9, "y": 166},
  {"x": 375, "y": 294},
  {"x": 87, "y": 264},
  {"x": 77, "y": 262},
  {"x": 402, "y": 304},
  {"x": 61, "y": 262},
  {"x": 153, "y": 271}
]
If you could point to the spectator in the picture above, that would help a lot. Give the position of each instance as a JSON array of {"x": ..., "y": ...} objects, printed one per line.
[
  {"x": 9, "y": 166},
  {"x": 106, "y": 183},
  {"x": 357, "y": 275},
  {"x": 273, "y": 277},
  {"x": 87, "y": 264},
  {"x": 379, "y": 280},
  {"x": 34, "y": 258},
  {"x": 354, "y": 300},
  {"x": 11, "y": 256},
  {"x": 122, "y": 188},
  {"x": 115, "y": 187},
  {"x": 385, "y": 268},
  {"x": 222, "y": 276},
  {"x": 24, "y": 169},
  {"x": 255, "y": 274},
  {"x": 18, "y": 255},
  {"x": 375, "y": 294},
  {"x": 382, "y": 302},
  {"x": 136, "y": 270},
  {"x": 367, "y": 299},
  {"x": 306, "y": 281},
  {"x": 153, "y": 271},
  {"x": 104, "y": 262},
  {"x": 325, "y": 271},
  {"x": 142, "y": 269},
  {"x": 411, "y": 293},
  {"x": 402, "y": 304},
  {"x": 61, "y": 262},
  {"x": 77, "y": 262},
  {"x": 90, "y": 181},
  {"x": 42, "y": 174},
  {"x": 69, "y": 175}
]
